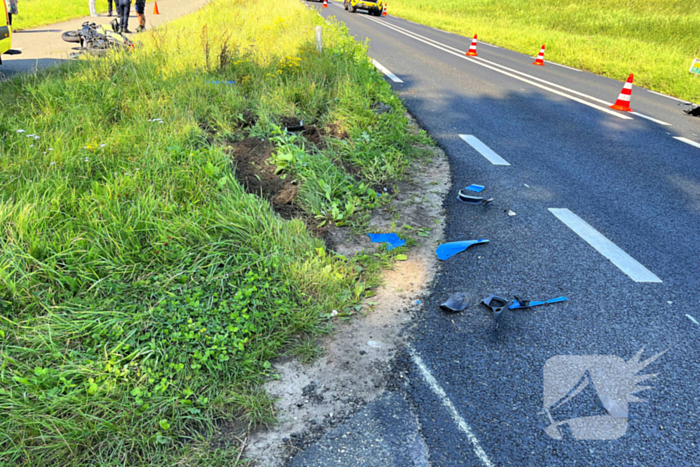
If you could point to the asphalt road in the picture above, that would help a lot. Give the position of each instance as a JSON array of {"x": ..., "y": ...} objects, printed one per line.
[{"x": 627, "y": 186}]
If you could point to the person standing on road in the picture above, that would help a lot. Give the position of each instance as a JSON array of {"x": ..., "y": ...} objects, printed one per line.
[
  {"x": 11, "y": 10},
  {"x": 123, "y": 10},
  {"x": 93, "y": 10},
  {"x": 140, "y": 7}
]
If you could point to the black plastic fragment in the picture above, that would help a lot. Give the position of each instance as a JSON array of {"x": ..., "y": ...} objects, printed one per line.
[
  {"x": 694, "y": 110},
  {"x": 475, "y": 200},
  {"x": 458, "y": 301},
  {"x": 498, "y": 305}
]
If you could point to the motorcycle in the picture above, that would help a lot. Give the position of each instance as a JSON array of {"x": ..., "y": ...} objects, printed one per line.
[{"x": 94, "y": 38}]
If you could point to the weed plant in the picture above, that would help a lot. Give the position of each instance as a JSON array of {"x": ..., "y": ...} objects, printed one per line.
[
  {"x": 143, "y": 292},
  {"x": 654, "y": 39}
]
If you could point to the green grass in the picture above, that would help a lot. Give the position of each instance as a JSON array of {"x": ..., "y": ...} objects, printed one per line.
[
  {"x": 33, "y": 13},
  {"x": 654, "y": 39},
  {"x": 143, "y": 292}
]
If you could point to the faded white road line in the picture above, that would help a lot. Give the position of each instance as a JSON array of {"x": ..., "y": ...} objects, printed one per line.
[
  {"x": 461, "y": 423},
  {"x": 547, "y": 62},
  {"x": 605, "y": 247},
  {"x": 687, "y": 141},
  {"x": 668, "y": 97},
  {"x": 384, "y": 70},
  {"x": 484, "y": 150},
  {"x": 483, "y": 62}
]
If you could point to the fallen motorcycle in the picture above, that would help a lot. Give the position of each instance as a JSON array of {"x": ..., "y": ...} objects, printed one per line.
[{"x": 94, "y": 38}]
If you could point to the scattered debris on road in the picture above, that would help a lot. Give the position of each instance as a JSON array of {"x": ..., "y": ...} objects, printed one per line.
[
  {"x": 511, "y": 213},
  {"x": 391, "y": 239},
  {"x": 475, "y": 200},
  {"x": 498, "y": 305},
  {"x": 520, "y": 303},
  {"x": 475, "y": 188},
  {"x": 448, "y": 250},
  {"x": 692, "y": 319},
  {"x": 458, "y": 301}
]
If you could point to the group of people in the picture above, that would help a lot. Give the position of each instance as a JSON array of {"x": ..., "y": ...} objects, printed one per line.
[{"x": 123, "y": 9}]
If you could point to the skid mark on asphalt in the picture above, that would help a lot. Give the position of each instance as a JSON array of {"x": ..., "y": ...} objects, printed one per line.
[
  {"x": 484, "y": 150},
  {"x": 384, "y": 70},
  {"x": 461, "y": 423},
  {"x": 687, "y": 141},
  {"x": 635, "y": 270}
]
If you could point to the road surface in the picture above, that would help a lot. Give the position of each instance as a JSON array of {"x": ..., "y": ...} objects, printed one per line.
[{"x": 599, "y": 206}]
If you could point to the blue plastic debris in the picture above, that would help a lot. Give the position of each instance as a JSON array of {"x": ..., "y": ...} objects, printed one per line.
[
  {"x": 222, "y": 82},
  {"x": 476, "y": 188},
  {"x": 448, "y": 250},
  {"x": 520, "y": 303},
  {"x": 417, "y": 302},
  {"x": 392, "y": 239}
]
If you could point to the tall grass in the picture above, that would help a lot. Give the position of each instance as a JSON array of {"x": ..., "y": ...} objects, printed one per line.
[
  {"x": 143, "y": 292},
  {"x": 654, "y": 39}
]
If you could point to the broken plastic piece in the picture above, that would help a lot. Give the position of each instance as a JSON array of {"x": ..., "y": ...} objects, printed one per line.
[
  {"x": 223, "y": 82},
  {"x": 458, "y": 301},
  {"x": 520, "y": 303},
  {"x": 498, "y": 305},
  {"x": 391, "y": 239},
  {"x": 448, "y": 250},
  {"x": 475, "y": 200},
  {"x": 475, "y": 188}
]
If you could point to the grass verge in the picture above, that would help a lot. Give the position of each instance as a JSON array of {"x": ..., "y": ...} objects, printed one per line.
[
  {"x": 143, "y": 290},
  {"x": 654, "y": 39},
  {"x": 34, "y": 13}
]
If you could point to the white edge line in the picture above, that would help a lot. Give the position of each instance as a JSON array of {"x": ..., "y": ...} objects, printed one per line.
[
  {"x": 668, "y": 97},
  {"x": 563, "y": 66},
  {"x": 479, "y": 62},
  {"x": 461, "y": 423},
  {"x": 616, "y": 255},
  {"x": 692, "y": 319},
  {"x": 595, "y": 99},
  {"x": 384, "y": 70},
  {"x": 687, "y": 141},
  {"x": 484, "y": 150},
  {"x": 548, "y": 62}
]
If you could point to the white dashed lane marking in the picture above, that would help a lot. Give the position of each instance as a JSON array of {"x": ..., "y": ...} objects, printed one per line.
[
  {"x": 484, "y": 150},
  {"x": 687, "y": 141},
  {"x": 461, "y": 422},
  {"x": 635, "y": 270},
  {"x": 384, "y": 70}
]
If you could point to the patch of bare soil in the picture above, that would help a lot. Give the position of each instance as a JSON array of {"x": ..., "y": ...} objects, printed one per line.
[
  {"x": 356, "y": 361},
  {"x": 258, "y": 177}
]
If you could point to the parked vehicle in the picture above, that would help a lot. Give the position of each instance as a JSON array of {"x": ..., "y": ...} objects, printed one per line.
[
  {"x": 373, "y": 7},
  {"x": 5, "y": 32}
]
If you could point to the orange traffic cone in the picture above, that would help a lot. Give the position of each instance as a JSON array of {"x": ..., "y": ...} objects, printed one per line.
[
  {"x": 155, "y": 9},
  {"x": 325, "y": 4},
  {"x": 384, "y": 12},
  {"x": 540, "y": 57},
  {"x": 623, "y": 100},
  {"x": 472, "y": 48}
]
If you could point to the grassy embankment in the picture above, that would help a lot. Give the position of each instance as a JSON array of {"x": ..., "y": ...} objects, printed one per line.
[
  {"x": 33, "y": 13},
  {"x": 143, "y": 292},
  {"x": 654, "y": 39}
]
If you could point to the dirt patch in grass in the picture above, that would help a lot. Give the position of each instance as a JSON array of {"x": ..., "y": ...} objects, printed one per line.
[
  {"x": 259, "y": 178},
  {"x": 355, "y": 365}
]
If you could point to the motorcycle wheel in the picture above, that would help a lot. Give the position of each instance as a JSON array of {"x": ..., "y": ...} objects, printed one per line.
[{"x": 71, "y": 36}]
